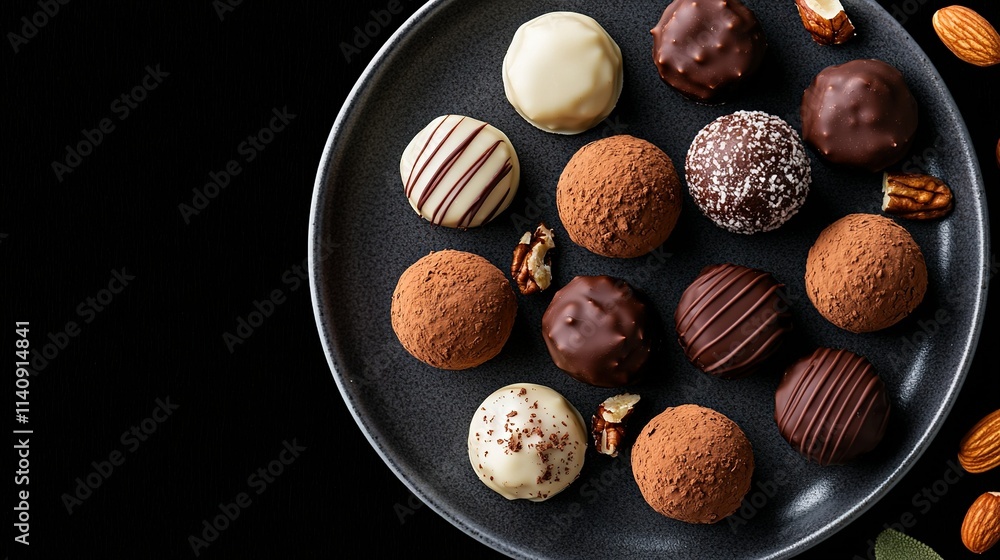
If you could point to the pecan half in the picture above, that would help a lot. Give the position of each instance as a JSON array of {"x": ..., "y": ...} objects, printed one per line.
[
  {"x": 532, "y": 266},
  {"x": 916, "y": 197},
  {"x": 608, "y": 425}
]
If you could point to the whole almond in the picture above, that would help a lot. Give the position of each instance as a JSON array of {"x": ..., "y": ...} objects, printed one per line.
[
  {"x": 968, "y": 35},
  {"x": 981, "y": 527},
  {"x": 979, "y": 450}
]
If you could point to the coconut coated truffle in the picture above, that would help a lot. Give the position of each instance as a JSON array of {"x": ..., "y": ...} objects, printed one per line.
[{"x": 748, "y": 172}]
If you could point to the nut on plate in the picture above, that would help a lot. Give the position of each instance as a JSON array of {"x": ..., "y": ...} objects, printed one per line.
[
  {"x": 826, "y": 21},
  {"x": 981, "y": 527},
  {"x": 916, "y": 197},
  {"x": 968, "y": 35},
  {"x": 532, "y": 266},
  {"x": 608, "y": 425},
  {"x": 979, "y": 450}
]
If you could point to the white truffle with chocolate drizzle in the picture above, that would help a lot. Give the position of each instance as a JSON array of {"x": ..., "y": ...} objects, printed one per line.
[
  {"x": 460, "y": 172},
  {"x": 527, "y": 441}
]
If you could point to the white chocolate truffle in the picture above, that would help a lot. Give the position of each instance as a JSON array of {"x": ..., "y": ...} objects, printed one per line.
[
  {"x": 527, "y": 441},
  {"x": 460, "y": 172},
  {"x": 563, "y": 72}
]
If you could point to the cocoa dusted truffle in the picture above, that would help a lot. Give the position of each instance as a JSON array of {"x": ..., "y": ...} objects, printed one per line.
[
  {"x": 831, "y": 406},
  {"x": 865, "y": 273},
  {"x": 707, "y": 49},
  {"x": 730, "y": 319},
  {"x": 619, "y": 197},
  {"x": 860, "y": 114},
  {"x": 693, "y": 464},
  {"x": 595, "y": 330},
  {"x": 453, "y": 310},
  {"x": 748, "y": 172}
]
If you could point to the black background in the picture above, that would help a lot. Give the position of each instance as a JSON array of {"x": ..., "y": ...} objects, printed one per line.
[{"x": 162, "y": 335}]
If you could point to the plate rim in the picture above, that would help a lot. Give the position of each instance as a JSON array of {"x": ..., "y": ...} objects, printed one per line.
[{"x": 315, "y": 259}]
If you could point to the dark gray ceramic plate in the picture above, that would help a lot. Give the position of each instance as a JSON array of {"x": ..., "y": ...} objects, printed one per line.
[{"x": 447, "y": 59}]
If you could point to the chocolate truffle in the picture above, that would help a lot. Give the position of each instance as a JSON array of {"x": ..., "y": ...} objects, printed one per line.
[
  {"x": 693, "y": 464},
  {"x": 865, "y": 273},
  {"x": 748, "y": 172},
  {"x": 831, "y": 406},
  {"x": 706, "y": 50},
  {"x": 619, "y": 197},
  {"x": 563, "y": 73},
  {"x": 860, "y": 114},
  {"x": 730, "y": 319},
  {"x": 459, "y": 172},
  {"x": 595, "y": 329},
  {"x": 453, "y": 310},
  {"x": 527, "y": 442}
]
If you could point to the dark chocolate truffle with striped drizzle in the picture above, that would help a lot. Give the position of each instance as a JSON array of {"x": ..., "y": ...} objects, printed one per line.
[
  {"x": 730, "y": 319},
  {"x": 831, "y": 406},
  {"x": 460, "y": 172}
]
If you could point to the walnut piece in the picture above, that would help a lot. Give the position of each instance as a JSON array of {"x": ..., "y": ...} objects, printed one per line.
[
  {"x": 608, "y": 425},
  {"x": 916, "y": 197},
  {"x": 532, "y": 266}
]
